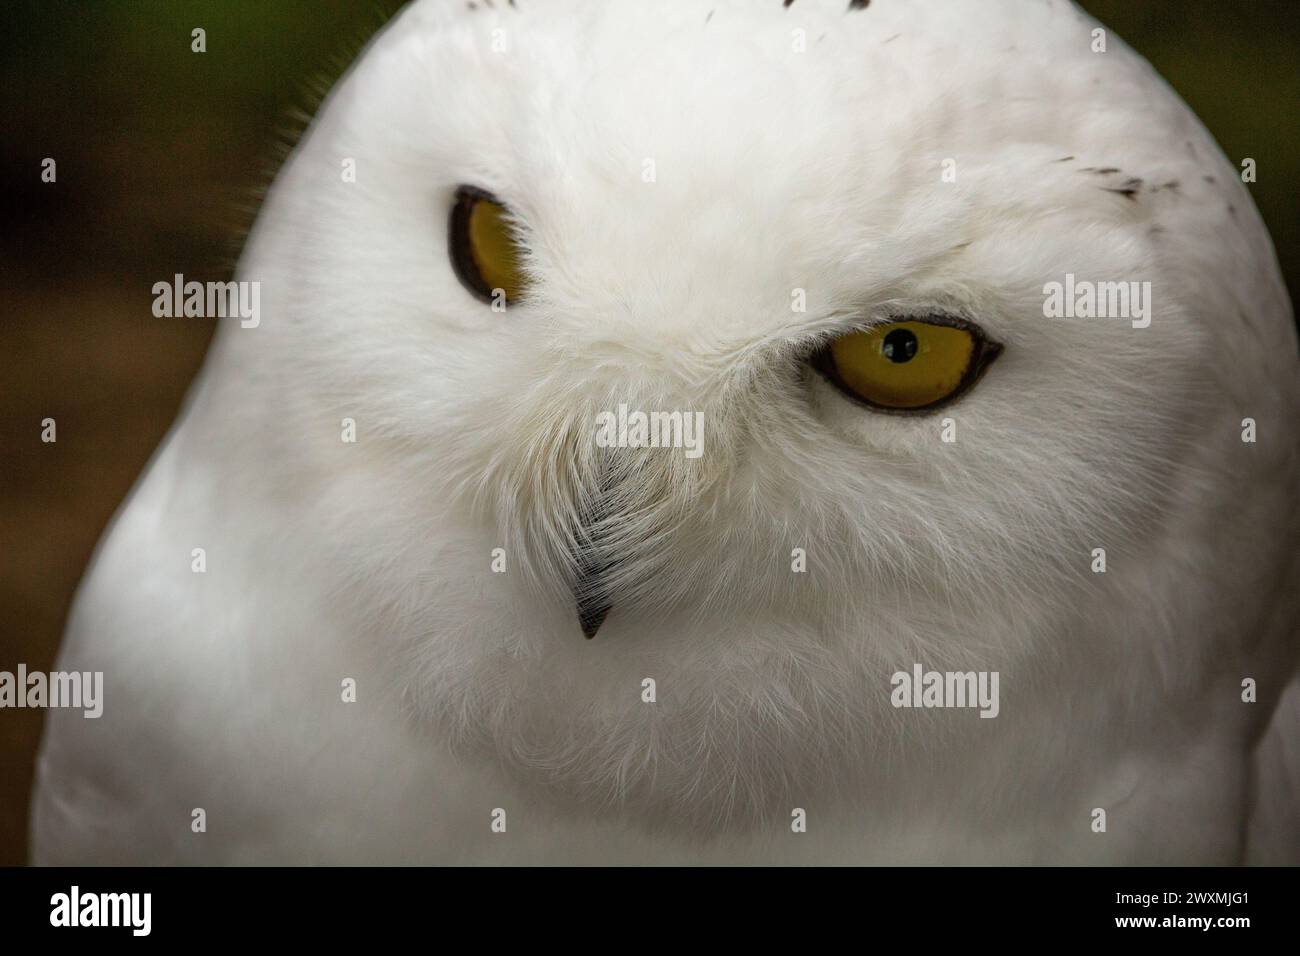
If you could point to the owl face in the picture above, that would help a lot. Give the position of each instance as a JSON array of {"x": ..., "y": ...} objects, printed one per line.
[{"x": 830, "y": 233}]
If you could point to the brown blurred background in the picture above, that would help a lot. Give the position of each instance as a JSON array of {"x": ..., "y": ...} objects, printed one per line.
[{"x": 162, "y": 154}]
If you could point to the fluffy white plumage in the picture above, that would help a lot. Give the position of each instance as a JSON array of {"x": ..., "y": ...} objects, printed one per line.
[{"x": 775, "y": 170}]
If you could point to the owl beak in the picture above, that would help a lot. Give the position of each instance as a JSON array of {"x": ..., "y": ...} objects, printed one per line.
[
  {"x": 590, "y": 592},
  {"x": 591, "y": 614}
]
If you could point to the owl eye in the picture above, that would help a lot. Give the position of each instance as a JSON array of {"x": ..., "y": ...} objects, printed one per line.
[
  {"x": 485, "y": 249},
  {"x": 908, "y": 365}
]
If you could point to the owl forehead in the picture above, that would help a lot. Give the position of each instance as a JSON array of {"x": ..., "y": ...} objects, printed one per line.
[
  {"x": 658, "y": 151},
  {"x": 812, "y": 112},
  {"x": 632, "y": 139},
  {"x": 667, "y": 101},
  {"x": 819, "y": 87}
]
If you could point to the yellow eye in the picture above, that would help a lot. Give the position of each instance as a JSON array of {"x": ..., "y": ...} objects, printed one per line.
[
  {"x": 485, "y": 251},
  {"x": 910, "y": 364}
]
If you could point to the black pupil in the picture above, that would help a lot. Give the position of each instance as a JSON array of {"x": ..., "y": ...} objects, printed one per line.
[{"x": 899, "y": 346}]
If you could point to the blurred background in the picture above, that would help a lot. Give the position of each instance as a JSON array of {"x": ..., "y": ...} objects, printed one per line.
[{"x": 162, "y": 156}]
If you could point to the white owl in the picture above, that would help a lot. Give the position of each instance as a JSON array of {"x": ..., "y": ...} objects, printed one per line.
[{"x": 833, "y": 233}]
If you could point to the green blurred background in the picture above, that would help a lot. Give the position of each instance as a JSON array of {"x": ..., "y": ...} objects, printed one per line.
[{"x": 162, "y": 155}]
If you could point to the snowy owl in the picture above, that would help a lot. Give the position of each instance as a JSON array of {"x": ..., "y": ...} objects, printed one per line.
[{"x": 983, "y": 550}]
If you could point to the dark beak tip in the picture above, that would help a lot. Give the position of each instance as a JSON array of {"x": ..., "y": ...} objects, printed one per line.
[{"x": 590, "y": 619}]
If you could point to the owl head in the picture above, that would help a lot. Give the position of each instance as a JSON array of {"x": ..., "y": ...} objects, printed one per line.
[{"x": 850, "y": 241}]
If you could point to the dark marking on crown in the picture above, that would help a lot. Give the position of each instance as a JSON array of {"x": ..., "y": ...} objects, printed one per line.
[
  {"x": 892, "y": 39},
  {"x": 1063, "y": 159},
  {"x": 709, "y": 17},
  {"x": 853, "y": 4},
  {"x": 1129, "y": 190}
]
